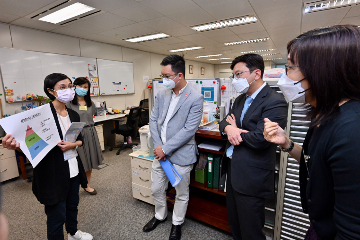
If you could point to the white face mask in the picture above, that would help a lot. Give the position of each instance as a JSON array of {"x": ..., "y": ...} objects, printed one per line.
[
  {"x": 65, "y": 95},
  {"x": 169, "y": 83},
  {"x": 241, "y": 84},
  {"x": 292, "y": 90}
]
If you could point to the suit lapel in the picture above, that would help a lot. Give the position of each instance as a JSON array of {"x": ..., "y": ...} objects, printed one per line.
[
  {"x": 183, "y": 97},
  {"x": 260, "y": 98},
  {"x": 167, "y": 99},
  {"x": 238, "y": 109}
]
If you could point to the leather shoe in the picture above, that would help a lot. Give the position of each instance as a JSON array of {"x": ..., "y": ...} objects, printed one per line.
[
  {"x": 152, "y": 224},
  {"x": 175, "y": 233}
]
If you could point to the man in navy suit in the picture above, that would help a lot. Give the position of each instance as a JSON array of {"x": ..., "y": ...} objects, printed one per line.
[{"x": 250, "y": 159}]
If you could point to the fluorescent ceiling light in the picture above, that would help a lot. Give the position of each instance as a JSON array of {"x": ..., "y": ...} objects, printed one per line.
[
  {"x": 66, "y": 13},
  {"x": 224, "y": 58},
  {"x": 147, "y": 38},
  {"x": 185, "y": 49},
  {"x": 248, "y": 41},
  {"x": 326, "y": 4},
  {"x": 269, "y": 54},
  {"x": 225, "y": 62},
  {"x": 213, "y": 59},
  {"x": 214, "y": 55},
  {"x": 272, "y": 59},
  {"x": 256, "y": 51},
  {"x": 225, "y": 23}
]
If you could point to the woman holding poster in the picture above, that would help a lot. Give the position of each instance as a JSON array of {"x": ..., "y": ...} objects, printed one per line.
[
  {"x": 90, "y": 152},
  {"x": 56, "y": 180}
]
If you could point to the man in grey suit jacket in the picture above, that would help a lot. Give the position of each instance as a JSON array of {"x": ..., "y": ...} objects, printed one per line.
[
  {"x": 175, "y": 117},
  {"x": 249, "y": 157}
]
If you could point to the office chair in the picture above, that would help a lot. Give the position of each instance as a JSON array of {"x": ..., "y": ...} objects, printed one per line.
[
  {"x": 128, "y": 129},
  {"x": 144, "y": 112}
]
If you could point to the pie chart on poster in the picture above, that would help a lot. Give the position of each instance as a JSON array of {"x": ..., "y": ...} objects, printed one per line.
[{"x": 34, "y": 143}]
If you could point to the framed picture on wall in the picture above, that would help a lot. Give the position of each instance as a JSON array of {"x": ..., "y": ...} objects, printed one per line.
[
  {"x": 191, "y": 69},
  {"x": 202, "y": 71}
]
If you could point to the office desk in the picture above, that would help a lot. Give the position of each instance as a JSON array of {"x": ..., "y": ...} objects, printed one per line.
[{"x": 108, "y": 125}]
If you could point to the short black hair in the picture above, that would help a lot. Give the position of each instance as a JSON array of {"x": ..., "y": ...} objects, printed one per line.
[
  {"x": 51, "y": 80},
  {"x": 329, "y": 59},
  {"x": 177, "y": 63},
  {"x": 252, "y": 62},
  {"x": 80, "y": 81}
]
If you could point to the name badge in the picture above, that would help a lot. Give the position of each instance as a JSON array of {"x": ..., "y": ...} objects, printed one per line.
[{"x": 83, "y": 108}]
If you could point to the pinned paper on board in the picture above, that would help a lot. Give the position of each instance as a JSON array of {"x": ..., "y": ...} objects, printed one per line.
[
  {"x": 92, "y": 70},
  {"x": 116, "y": 86}
]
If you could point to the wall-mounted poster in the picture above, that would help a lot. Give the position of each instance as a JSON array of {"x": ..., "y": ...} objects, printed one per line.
[
  {"x": 191, "y": 69},
  {"x": 202, "y": 71}
]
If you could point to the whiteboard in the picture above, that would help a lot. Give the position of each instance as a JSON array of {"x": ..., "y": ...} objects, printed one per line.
[
  {"x": 24, "y": 72},
  {"x": 115, "y": 77}
]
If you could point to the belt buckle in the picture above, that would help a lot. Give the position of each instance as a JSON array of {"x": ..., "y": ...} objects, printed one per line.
[{"x": 230, "y": 157}]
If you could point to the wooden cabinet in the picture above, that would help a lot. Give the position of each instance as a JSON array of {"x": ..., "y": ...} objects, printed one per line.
[{"x": 8, "y": 164}]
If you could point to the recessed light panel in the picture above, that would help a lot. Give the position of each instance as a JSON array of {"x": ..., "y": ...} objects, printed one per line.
[{"x": 65, "y": 13}]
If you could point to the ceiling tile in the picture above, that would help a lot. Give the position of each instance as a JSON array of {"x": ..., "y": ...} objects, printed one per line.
[
  {"x": 352, "y": 21},
  {"x": 254, "y": 35},
  {"x": 107, "y": 5},
  {"x": 137, "y": 12},
  {"x": 191, "y": 18},
  {"x": 162, "y": 23},
  {"x": 100, "y": 23},
  {"x": 129, "y": 31},
  {"x": 179, "y": 31},
  {"x": 354, "y": 11},
  {"x": 168, "y": 7},
  {"x": 171, "y": 40},
  {"x": 228, "y": 9},
  {"x": 7, "y": 18},
  {"x": 34, "y": 23},
  {"x": 22, "y": 7},
  {"x": 71, "y": 32},
  {"x": 323, "y": 18},
  {"x": 197, "y": 38},
  {"x": 226, "y": 39},
  {"x": 247, "y": 28}
]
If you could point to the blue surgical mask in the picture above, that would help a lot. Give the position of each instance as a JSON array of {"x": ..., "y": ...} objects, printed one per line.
[{"x": 81, "y": 92}]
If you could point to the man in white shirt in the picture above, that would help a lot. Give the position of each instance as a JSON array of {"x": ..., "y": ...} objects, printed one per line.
[{"x": 175, "y": 117}]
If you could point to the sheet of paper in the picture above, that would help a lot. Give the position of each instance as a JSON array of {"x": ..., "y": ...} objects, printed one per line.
[
  {"x": 35, "y": 130},
  {"x": 70, "y": 136}
]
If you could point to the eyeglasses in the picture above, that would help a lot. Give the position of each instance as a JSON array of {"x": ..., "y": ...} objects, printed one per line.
[
  {"x": 63, "y": 86},
  {"x": 164, "y": 76},
  {"x": 289, "y": 67},
  {"x": 238, "y": 75}
]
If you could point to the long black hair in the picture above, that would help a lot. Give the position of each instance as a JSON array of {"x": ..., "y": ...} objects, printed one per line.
[
  {"x": 80, "y": 81},
  {"x": 51, "y": 80},
  {"x": 329, "y": 58}
]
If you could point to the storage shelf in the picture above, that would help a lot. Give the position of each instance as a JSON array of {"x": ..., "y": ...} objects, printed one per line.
[
  {"x": 203, "y": 186},
  {"x": 207, "y": 208},
  {"x": 221, "y": 152},
  {"x": 208, "y": 134}
]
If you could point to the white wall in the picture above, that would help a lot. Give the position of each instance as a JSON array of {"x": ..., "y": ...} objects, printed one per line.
[
  {"x": 145, "y": 63},
  {"x": 225, "y": 68}
]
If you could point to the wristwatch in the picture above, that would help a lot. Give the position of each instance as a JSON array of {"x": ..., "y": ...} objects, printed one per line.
[
  {"x": 76, "y": 146},
  {"x": 288, "y": 149}
]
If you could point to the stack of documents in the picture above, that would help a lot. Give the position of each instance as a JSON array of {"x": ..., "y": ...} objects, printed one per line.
[
  {"x": 212, "y": 144},
  {"x": 209, "y": 126}
]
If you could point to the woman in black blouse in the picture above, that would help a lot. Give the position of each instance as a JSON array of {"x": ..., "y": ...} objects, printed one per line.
[
  {"x": 324, "y": 70},
  {"x": 56, "y": 181}
]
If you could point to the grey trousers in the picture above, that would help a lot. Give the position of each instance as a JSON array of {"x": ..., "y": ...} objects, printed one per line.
[{"x": 159, "y": 183}]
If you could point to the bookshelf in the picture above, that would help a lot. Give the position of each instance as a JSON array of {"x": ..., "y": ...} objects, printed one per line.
[{"x": 206, "y": 204}]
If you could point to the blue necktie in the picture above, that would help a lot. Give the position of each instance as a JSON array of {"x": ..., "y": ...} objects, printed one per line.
[{"x": 248, "y": 101}]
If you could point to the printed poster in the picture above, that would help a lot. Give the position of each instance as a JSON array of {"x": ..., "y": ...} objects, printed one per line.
[{"x": 35, "y": 130}]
